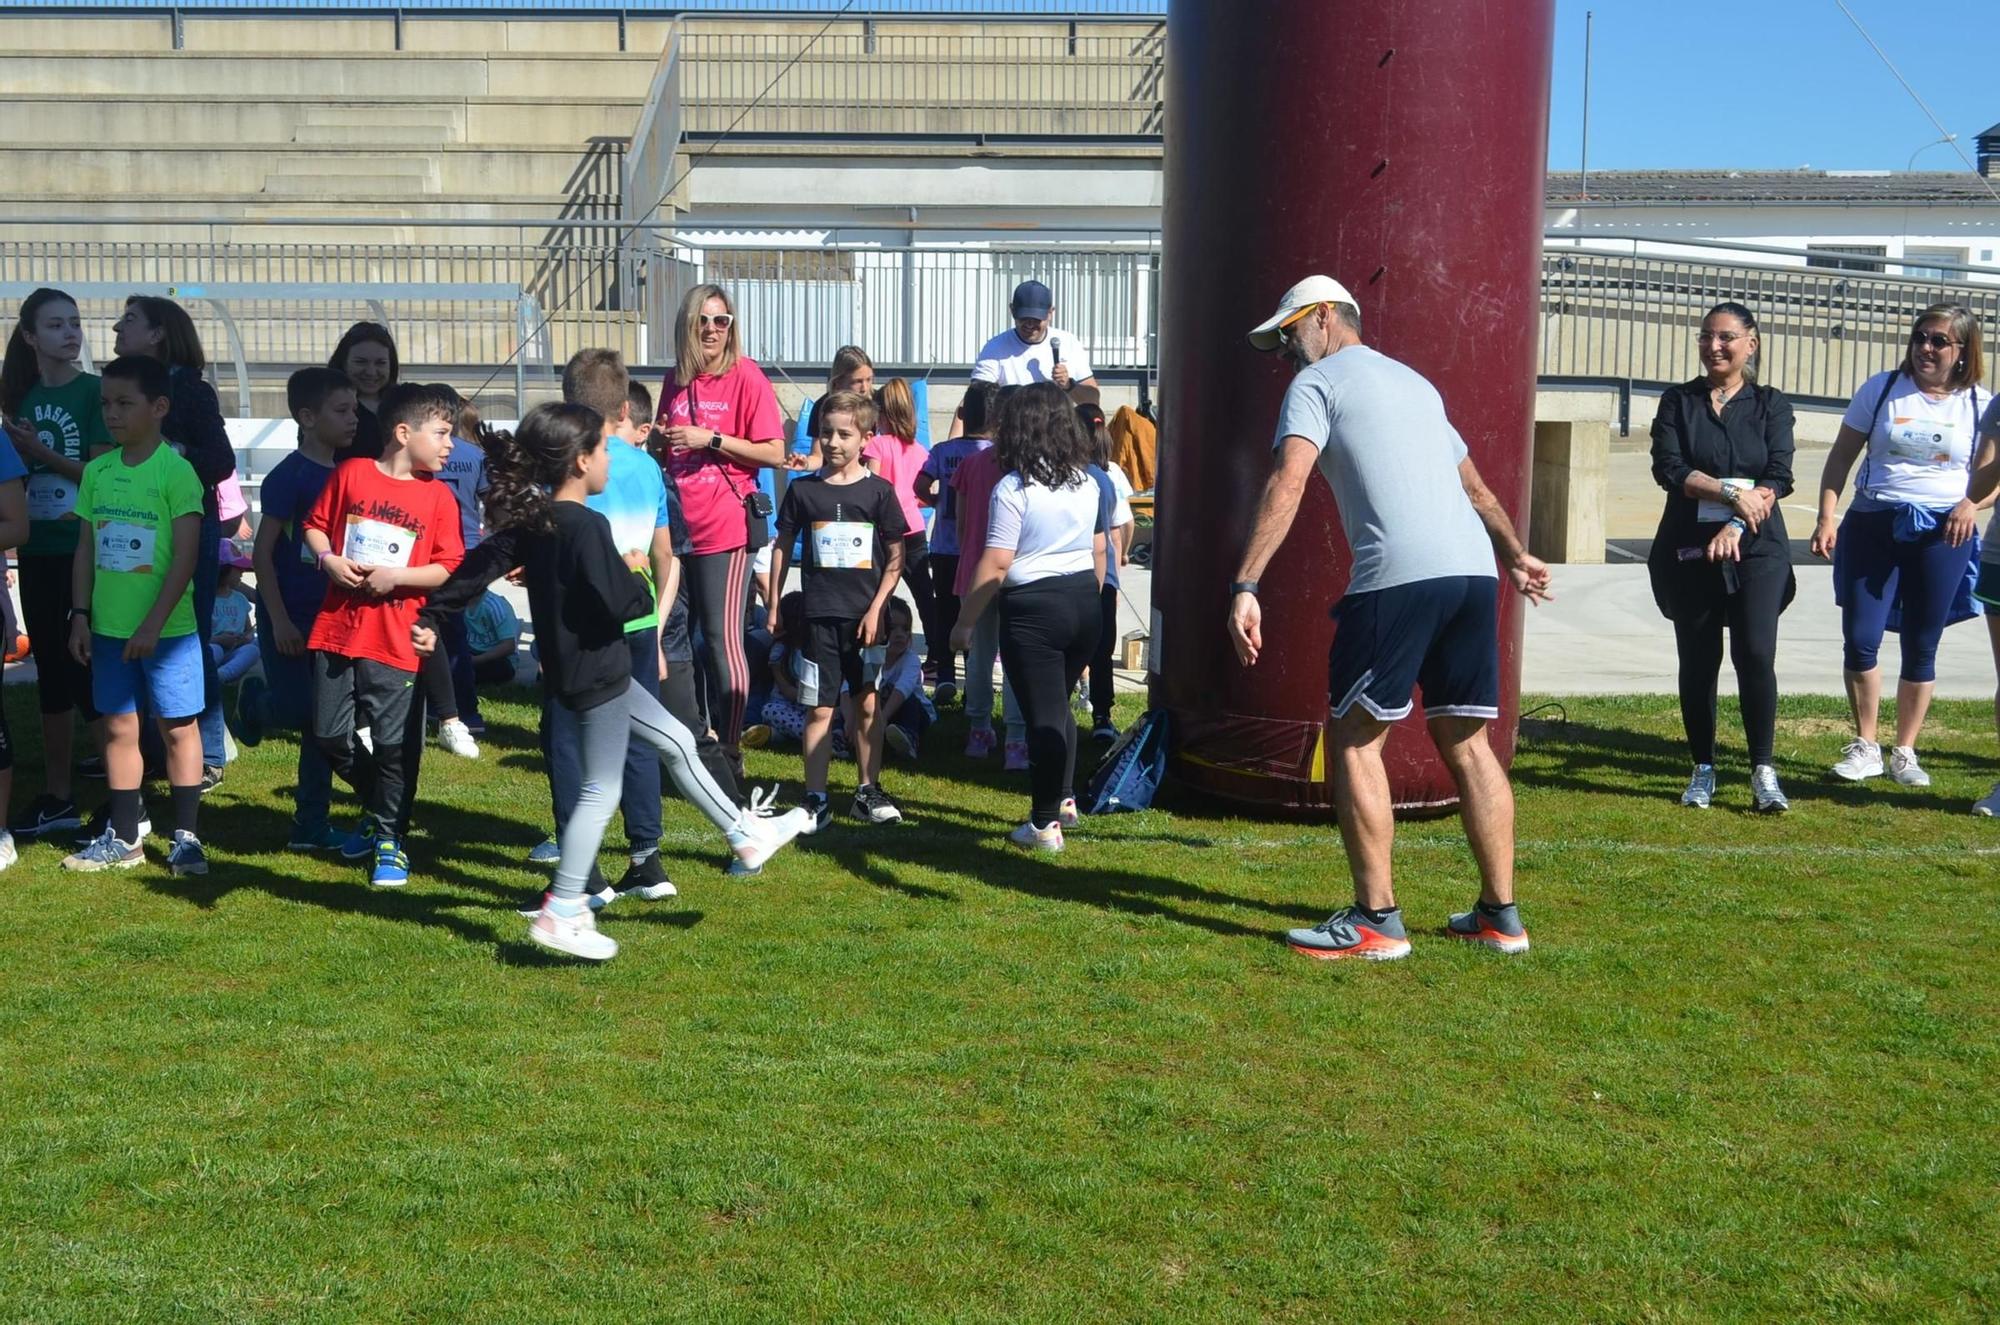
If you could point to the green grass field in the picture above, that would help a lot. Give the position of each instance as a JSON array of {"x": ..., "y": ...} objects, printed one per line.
[{"x": 1749, "y": 1070}]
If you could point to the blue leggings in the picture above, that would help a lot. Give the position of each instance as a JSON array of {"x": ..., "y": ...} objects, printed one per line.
[{"x": 1924, "y": 574}]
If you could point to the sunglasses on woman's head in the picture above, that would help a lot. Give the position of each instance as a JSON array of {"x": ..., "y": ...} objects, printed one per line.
[
  {"x": 1933, "y": 339},
  {"x": 720, "y": 321}
]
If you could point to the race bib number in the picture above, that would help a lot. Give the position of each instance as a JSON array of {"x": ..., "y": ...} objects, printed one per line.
[
  {"x": 51, "y": 497},
  {"x": 806, "y": 673},
  {"x": 1714, "y": 510},
  {"x": 374, "y": 543},
  {"x": 844, "y": 545},
  {"x": 125, "y": 548},
  {"x": 1923, "y": 442}
]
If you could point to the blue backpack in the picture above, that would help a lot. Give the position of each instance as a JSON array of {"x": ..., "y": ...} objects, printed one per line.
[{"x": 1133, "y": 769}]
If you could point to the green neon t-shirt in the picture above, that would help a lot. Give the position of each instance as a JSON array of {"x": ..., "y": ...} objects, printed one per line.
[{"x": 131, "y": 511}]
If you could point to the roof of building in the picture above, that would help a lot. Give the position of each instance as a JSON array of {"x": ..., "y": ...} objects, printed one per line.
[{"x": 1742, "y": 186}]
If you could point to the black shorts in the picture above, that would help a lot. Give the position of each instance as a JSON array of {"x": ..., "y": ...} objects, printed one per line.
[
  {"x": 1442, "y": 635},
  {"x": 831, "y": 646}
]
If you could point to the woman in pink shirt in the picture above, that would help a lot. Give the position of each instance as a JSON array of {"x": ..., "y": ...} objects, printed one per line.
[
  {"x": 897, "y": 456},
  {"x": 718, "y": 424}
]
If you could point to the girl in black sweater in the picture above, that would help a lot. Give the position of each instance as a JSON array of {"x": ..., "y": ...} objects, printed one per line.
[{"x": 581, "y": 593}]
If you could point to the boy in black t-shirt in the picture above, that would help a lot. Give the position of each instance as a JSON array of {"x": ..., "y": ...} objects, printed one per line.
[{"x": 853, "y": 522}]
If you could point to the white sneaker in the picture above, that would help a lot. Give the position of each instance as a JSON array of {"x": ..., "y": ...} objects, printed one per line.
[
  {"x": 769, "y": 836},
  {"x": 1861, "y": 759},
  {"x": 1066, "y": 814},
  {"x": 1700, "y": 793},
  {"x": 1030, "y": 838},
  {"x": 456, "y": 737},
  {"x": 8, "y": 855},
  {"x": 1903, "y": 767},
  {"x": 1987, "y": 807},
  {"x": 574, "y": 934}
]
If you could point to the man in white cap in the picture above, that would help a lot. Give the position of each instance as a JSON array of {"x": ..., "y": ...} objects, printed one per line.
[
  {"x": 1034, "y": 349},
  {"x": 1421, "y": 608}
]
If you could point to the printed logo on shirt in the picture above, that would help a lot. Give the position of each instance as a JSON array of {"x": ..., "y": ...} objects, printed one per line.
[
  {"x": 843, "y": 544},
  {"x": 125, "y": 548},
  {"x": 377, "y": 543},
  {"x": 58, "y": 429},
  {"x": 1924, "y": 442}
]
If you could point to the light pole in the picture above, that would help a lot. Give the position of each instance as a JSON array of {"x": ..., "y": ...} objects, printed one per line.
[{"x": 1937, "y": 142}]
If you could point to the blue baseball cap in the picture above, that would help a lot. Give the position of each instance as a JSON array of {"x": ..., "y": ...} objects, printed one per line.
[{"x": 1031, "y": 299}]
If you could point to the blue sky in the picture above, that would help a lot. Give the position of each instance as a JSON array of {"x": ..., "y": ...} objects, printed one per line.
[{"x": 1771, "y": 84}]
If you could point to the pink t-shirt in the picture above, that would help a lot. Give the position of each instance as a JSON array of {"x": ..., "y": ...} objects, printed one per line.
[
  {"x": 739, "y": 403},
  {"x": 974, "y": 480},
  {"x": 898, "y": 461}
]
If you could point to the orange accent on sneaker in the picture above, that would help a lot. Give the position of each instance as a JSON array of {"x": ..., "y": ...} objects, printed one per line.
[
  {"x": 1374, "y": 945},
  {"x": 1494, "y": 939}
]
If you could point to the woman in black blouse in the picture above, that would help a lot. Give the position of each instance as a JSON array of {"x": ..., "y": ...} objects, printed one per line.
[{"x": 1722, "y": 449}]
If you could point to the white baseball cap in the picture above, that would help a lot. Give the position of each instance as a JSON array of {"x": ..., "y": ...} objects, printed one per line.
[{"x": 1312, "y": 290}]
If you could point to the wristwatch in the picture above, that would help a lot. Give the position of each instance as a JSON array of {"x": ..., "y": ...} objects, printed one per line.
[
  {"x": 1243, "y": 586},
  {"x": 1731, "y": 493},
  {"x": 715, "y": 441}
]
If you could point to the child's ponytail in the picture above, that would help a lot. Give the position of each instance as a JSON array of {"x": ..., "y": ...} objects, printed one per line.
[{"x": 525, "y": 466}]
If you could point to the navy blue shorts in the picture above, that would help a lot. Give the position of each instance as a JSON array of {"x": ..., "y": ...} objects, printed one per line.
[{"x": 1442, "y": 634}]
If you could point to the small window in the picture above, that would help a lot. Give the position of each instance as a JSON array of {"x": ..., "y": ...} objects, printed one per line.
[
  {"x": 1919, "y": 260},
  {"x": 1847, "y": 257}
]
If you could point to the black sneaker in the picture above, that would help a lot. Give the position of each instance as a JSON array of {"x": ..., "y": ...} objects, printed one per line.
[
  {"x": 647, "y": 880},
  {"x": 211, "y": 778},
  {"x": 46, "y": 814},
  {"x": 95, "y": 827},
  {"x": 874, "y": 805},
  {"x": 91, "y": 767}
]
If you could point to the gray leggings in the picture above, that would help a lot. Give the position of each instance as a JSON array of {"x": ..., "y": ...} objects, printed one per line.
[{"x": 604, "y": 733}]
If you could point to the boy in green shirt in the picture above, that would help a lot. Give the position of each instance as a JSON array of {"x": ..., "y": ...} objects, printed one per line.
[{"x": 140, "y": 509}]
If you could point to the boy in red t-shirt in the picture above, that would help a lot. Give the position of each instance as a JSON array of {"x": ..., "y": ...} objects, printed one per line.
[{"x": 385, "y": 534}]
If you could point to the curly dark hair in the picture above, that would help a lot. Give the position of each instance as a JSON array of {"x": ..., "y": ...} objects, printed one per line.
[
  {"x": 1040, "y": 437},
  {"x": 524, "y": 466}
]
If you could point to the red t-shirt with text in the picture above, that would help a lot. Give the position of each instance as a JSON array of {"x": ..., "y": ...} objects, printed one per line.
[
  {"x": 375, "y": 520},
  {"x": 738, "y": 403}
]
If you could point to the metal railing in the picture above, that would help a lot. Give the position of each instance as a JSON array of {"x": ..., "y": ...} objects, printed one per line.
[
  {"x": 860, "y": 81},
  {"x": 1628, "y": 308},
  {"x": 927, "y": 298}
]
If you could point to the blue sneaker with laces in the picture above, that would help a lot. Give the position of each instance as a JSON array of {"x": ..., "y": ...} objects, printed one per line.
[
  {"x": 357, "y": 844},
  {"x": 392, "y": 867}
]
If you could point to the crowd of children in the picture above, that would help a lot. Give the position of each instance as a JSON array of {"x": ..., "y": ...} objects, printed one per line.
[{"x": 634, "y": 527}]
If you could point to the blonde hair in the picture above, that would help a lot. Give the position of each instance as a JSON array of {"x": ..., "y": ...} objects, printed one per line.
[
  {"x": 688, "y": 361},
  {"x": 899, "y": 409}
]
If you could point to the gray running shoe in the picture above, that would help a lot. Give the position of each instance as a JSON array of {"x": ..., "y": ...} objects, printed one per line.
[
  {"x": 1498, "y": 928},
  {"x": 1988, "y": 806},
  {"x": 1861, "y": 759},
  {"x": 1903, "y": 767},
  {"x": 1765, "y": 793},
  {"x": 1701, "y": 787},
  {"x": 1349, "y": 933}
]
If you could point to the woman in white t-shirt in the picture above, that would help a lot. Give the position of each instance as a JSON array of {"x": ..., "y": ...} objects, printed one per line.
[
  {"x": 1044, "y": 559},
  {"x": 1908, "y": 538}
]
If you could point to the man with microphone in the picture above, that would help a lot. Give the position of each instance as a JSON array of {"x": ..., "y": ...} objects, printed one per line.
[{"x": 1034, "y": 349}]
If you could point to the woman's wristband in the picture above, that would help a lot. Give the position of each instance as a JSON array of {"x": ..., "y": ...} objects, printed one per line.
[
  {"x": 320, "y": 560},
  {"x": 1739, "y": 524}
]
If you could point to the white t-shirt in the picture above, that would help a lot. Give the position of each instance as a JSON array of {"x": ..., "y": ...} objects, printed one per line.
[
  {"x": 1010, "y": 361},
  {"x": 1121, "y": 487},
  {"x": 1919, "y": 449},
  {"x": 1391, "y": 458},
  {"x": 1049, "y": 530}
]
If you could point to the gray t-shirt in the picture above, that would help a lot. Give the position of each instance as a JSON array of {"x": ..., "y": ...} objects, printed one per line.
[{"x": 1391, "y": 458}]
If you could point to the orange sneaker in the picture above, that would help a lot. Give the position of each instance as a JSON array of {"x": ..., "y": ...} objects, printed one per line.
[
  {"x": 1495, "y": 927},
  {"x": 1348, "y": 932},
  {"x": 20, "y": 649}
]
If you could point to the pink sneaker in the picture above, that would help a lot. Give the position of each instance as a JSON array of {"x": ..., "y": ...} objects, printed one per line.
[
  {"x": 979, "y": 744},
  {"x": 1066, "y": 815},
  {"x": 1017, "y": 757}
]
